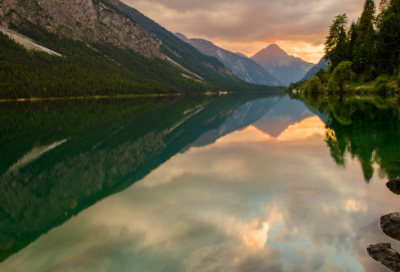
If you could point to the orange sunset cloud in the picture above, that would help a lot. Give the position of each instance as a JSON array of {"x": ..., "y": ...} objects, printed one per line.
[{"x": 298, "y": 27}]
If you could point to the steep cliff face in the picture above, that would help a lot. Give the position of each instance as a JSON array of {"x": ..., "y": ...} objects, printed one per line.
[{"x": 86, "y": 20}]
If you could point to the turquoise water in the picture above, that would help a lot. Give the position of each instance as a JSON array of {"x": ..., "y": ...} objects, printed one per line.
[{"x": 231, "y": 183}]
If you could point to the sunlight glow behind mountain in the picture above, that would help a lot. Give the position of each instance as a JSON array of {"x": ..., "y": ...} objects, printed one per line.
[{"x": 298, "y": 27}]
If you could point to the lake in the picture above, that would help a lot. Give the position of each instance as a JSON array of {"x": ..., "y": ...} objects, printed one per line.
[{"x": 198, "y": 183}]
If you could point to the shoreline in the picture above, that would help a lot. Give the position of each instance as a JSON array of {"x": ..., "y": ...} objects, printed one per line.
[
  {"x": 114, "y": 96},
  {"x": 85, "y": 97}
]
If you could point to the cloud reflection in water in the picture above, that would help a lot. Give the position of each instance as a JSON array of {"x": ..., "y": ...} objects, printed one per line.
[{"x": 248, "y": 202}]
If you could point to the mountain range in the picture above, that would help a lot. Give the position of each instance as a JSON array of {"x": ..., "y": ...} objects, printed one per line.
[
  {"x": 241, "y": 66},
  {"x": 104, "y": 47},
  {"x": 100, "y": 47},
  {"x": 284, "y": 67}
]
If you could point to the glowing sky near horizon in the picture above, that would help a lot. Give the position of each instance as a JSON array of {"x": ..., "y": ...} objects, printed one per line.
[{"x": 298, "y": 27}]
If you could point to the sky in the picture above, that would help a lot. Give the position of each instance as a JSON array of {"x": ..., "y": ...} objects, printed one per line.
[{"x": 298, "y": 27}]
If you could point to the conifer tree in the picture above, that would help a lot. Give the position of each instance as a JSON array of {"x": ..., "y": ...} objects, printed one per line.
[
  {"x": 364, "y": 51},
  {"x": 352, "y": 36},
  {"x": 383, "y": 7},
  {"x": 388, "y": 44},
  {"x": 341, "y": 50},
  {"x": 359, "y": 55},
  {"x": 367, "y": 16},
  {"x": 370, "y": 46},
  {"x": 336, "y": 43}
]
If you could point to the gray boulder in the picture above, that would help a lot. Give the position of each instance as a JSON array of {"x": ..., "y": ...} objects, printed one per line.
[
  {"x": 394, "y": 186},
  {"x": 384, "y": 254},
  {"x": 390, "y": 224}
]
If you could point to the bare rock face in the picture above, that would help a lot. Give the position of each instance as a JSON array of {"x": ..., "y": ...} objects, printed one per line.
[
  {"x": 390, "y": 225},
  {"x": 86, "y": 20},
  {"x": 12, "y": 11},
  {"x": 394, "y": 186},
  {"x": 384, "y": 254}
]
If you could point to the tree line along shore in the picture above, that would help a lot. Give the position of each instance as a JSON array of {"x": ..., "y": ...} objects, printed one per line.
[{"x": 363, "y": 56}]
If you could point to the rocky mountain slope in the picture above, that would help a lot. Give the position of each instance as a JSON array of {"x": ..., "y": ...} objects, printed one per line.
[
  {"x": 242, "y": 67},
  {"x": 26, "y": 42},
  {"x": 278, "y": 63},
  {"x": 108, "y": 48},
  {"x": 84, "y": 20},
  {"x": 182, "y": 53},
  {"x": 320, "y": 65}
]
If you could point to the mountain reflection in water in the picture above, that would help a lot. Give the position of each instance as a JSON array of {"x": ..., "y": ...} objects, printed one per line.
[{"x": 192, "y": 184}]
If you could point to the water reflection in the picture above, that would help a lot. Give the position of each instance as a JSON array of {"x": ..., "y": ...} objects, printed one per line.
[
  {"x": 241, "y": 185},
  {"x": 46, "y": 179},
  {"x": 367, "y": 128}
]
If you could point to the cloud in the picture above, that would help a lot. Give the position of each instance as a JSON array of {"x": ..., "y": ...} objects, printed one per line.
[{"x": 249, "y": 26}]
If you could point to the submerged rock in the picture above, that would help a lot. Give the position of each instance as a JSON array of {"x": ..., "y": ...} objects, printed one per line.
[
  {"x": 394, "y": 186},
  {"x": 384, "y": 254},
  {"x": 390, "y": 224}
]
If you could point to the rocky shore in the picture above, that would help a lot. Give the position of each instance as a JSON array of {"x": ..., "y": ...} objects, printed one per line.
[{"x": 390, "y": 225}]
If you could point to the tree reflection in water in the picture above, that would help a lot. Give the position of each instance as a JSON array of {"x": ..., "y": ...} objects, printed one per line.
[{"x": 368, "y": 128}]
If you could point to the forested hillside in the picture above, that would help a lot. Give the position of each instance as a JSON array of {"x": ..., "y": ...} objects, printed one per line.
[
  {"x": 99, "y": 61},
  {"x": 363, "y": 56},
  {"x": 83, "y": 71}
]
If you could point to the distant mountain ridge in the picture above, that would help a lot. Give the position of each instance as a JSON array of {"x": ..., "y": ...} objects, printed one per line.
[
  {"x": 287, "y": 69},
  {"x": 320, "y": 65},
  {"x": 241, "y": 66},
  {"x": 241, "y": 54}
]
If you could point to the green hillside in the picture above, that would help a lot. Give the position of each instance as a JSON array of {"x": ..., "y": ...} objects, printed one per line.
[
  {"x": 364, "y": 56},
  {"x": 101, "y": 69}
]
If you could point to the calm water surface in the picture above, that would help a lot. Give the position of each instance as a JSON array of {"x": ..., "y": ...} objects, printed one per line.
[{"x": 259, "y": 183}]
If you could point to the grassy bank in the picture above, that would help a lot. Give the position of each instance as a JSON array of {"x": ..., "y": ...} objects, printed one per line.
[{"x": 328, "y": 81}]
